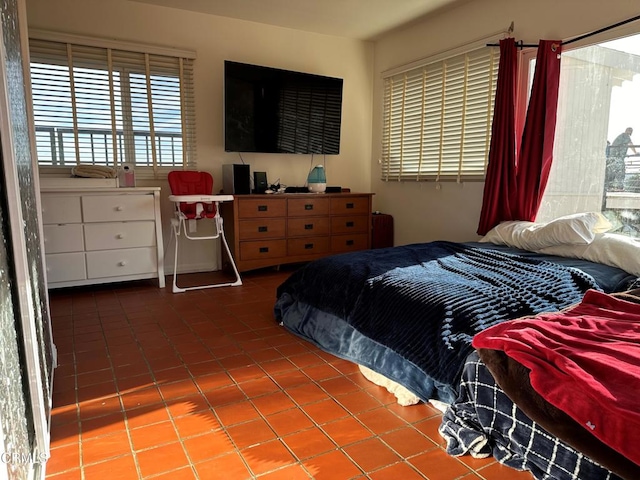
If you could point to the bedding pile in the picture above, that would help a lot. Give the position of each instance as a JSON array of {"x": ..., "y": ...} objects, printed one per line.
[
  {"x": 584, "y": 361},
  {"x": 483, "y": 421},
  {"x": 409, "y": 313},
  {"x": 555, "y": 393}
]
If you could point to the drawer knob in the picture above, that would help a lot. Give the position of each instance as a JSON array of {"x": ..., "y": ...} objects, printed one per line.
[
  {"x": 263, "y": 229},
  {"x": 308, "y": 226},
  {"x": 349, "y": 224},
  {"x": 349, "y": 205},
  {"x": 308, "y": 246},
  {"x": 122, "y": 263},
  {"x": 119, "y": 208},
  {"x": 264, "y": 249},
  {"x": 262, "y": 208},
  {"x": 308, "y": 206},
  {"x": 349, "y": 242},
  {"x": 120, "y": 236}
]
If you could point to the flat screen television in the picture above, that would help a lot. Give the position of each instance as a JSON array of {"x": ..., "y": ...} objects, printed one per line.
[{"x": 269, "y": 110}]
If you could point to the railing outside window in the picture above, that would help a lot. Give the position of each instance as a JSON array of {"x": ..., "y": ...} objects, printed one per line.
[{"x": 56, "y": 147}]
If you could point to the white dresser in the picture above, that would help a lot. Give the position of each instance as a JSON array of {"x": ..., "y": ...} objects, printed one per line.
[{"x": 101, "y": 235}]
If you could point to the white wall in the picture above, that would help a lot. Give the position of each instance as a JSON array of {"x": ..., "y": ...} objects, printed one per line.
[
  {"x": 215, "y": 39},
  {"x": 450, "y": 211}
]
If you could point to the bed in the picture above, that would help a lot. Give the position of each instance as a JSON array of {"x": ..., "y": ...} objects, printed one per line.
[{"x": 410, "y": 313}]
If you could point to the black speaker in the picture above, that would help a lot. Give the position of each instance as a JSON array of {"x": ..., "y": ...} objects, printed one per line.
[
  {"x": 236, "y": 179},
  {"x": 259, "y": 182}
]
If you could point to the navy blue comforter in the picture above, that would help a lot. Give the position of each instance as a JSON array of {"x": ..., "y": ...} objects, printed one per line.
[{"x": 410, "y": 312}]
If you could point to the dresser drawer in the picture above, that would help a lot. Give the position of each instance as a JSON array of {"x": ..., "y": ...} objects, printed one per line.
[
  {"x": 307, "y": 206},
  {"x": 349, "y": 243},
  {"x": 350, "y": 224},
  {"x": 117, "y": 208},
  {"x": 308, "y": 246},
  {"x": 65, "y": 267},
  {"x": 261, "y": 208},
  {"x": 263, "y": 249},
  {"x": 116, "y": 263},
  {"x": 63, "y": 238},
  {"x": 315, "y": 225},
  {"x": 299, "y": 227},
  {"x": 265, "y": 228},
  {"x": 350, "y": 205},
  {"x": 107, "y": 236},
  {"x": 61, "y": 209}
]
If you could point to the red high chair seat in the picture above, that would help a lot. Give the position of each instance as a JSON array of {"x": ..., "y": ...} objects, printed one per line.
[{"x": 191, "y": 193}]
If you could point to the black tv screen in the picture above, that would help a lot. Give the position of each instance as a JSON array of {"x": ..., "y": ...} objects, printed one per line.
[{"x": 269, "y": 110}]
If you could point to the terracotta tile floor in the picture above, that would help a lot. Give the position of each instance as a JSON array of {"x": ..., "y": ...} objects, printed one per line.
[{"x": 206, "y": 385}]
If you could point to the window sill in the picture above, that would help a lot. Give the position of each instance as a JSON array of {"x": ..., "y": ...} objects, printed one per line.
[{"x": 142, "y": 173}]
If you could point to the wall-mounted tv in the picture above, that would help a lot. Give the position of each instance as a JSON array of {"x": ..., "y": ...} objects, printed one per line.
[{"x": 269, "y": 110}]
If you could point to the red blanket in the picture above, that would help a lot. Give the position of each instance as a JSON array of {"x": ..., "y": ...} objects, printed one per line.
[{"x": 585, "y": 361}]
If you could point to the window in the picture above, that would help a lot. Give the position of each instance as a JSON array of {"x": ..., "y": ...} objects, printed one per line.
[
  {"x": 105, "y": 106},
  {"x": 598, "y": 98},
  {"x": 437, "y": 118}
]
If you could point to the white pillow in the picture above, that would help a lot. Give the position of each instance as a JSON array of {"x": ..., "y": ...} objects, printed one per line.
[
  {"x": 578, "y": 228},
  {"x": 608, "y": 248},
  {"x": 514, "y": 233},
  {"x": 575, "y": 229}
]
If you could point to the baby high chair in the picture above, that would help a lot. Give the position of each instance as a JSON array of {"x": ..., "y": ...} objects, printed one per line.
[{"x": 191, "y": 194}]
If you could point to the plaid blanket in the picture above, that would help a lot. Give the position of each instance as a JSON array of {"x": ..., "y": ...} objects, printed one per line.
[{"x": 483, "y": 421}]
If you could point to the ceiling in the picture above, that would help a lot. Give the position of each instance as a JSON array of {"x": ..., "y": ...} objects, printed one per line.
[{"x": 358, "y": 19}]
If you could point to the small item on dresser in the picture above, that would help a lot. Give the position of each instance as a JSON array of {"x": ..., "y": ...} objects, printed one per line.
[
  {"x": 317, "y": 180},
  {"x": 93, "y": 171},
  {"x": 126, "y": 175},
  {"x": 260, "y": 184},
  {"x": 296, "y": 190}
]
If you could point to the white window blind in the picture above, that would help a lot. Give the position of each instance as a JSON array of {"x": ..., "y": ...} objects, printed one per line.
[
  {"x": 437, "y": 118},
  {"x": 106, "y": 106}
]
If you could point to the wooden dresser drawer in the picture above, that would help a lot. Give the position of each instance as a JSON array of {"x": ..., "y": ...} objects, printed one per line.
[
  {"x": 349, "y": 243},
  {"x": 315, "y": 225},
  {"x": 265, "y": 249},
  {"x": 107, "y": 236},
  {"x": 65, "y": 267},
  {"x": 261, "y": 208},
  {"x": 349, "y": 224},
  {"x": 307, "y": 245},
  {"x": 300, "y": 227},
  {"x": 63, "y": 238},
  {"x": 350, "y": 205},
  {"x": 262, "y": 228},
  {"x": 117, "y": 208},
  {"x": 61, "y": 209},
  {"x": 307, "y": 206},
  {"x": 117, "y": 263}
]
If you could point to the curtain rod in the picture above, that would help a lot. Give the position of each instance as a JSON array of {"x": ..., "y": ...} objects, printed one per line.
[{"x": 581, "y": 37}]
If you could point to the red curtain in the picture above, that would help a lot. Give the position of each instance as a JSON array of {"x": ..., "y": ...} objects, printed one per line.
[
  {"x": 515, "y": 182},
  {"x": 501, "y": 175},
  {"x": 536, "y": 152}
]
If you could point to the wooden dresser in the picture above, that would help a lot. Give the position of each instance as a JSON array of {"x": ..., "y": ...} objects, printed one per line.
[
  {"x": 100, "y": 235},
  {"x": 268, "y": 230}
]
